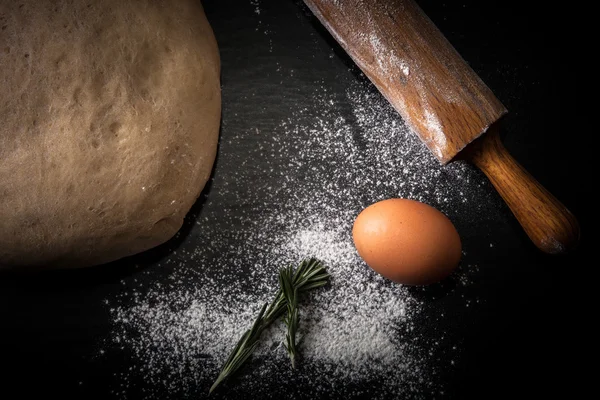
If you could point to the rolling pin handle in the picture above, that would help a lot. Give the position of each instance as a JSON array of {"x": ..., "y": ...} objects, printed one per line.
[{"x": 548, "y": 223}]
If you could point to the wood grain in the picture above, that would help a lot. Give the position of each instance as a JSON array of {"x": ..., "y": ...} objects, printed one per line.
[
  {"x": 415, "y": 67},
  {"x": 548, "y": 223}
]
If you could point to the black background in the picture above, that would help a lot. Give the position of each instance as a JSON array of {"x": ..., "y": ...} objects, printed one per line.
[{"x": 529, "y": 338}]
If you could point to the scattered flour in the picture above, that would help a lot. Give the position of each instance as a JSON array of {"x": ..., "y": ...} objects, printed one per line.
[{"x": 295, "y": 193}]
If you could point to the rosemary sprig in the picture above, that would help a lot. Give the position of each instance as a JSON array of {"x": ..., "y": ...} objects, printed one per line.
[
  {"x": 310, "y": 274},
  {"x": 286, "y": 282}
]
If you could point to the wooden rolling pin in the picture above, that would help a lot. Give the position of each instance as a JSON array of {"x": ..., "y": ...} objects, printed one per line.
[{"x": 444, "y": 101}]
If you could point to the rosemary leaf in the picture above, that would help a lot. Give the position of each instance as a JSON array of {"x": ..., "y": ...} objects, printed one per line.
[
  {"x": 310, "y": 274},
  {"x": 291, "y": 319}
]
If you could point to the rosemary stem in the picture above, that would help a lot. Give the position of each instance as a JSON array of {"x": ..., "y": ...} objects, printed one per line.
[{"x": 310, "y": 274}]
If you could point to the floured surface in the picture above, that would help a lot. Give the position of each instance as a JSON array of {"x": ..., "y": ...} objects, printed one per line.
[
  {"x": 297, "y": 162},
  {"x": 325, "y": 161}
]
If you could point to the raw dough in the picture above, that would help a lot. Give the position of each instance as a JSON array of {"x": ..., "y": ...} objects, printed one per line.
[{"x": 109, "y": 120}]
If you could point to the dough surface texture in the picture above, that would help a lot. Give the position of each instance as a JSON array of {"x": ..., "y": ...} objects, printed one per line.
[{"x": 109, "y": 121}]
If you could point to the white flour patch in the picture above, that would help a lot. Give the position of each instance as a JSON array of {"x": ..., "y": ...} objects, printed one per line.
[{"x": 438, "y": 136}]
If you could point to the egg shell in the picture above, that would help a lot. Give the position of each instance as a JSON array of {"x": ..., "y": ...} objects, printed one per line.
[{"x": 407, "y": 241}]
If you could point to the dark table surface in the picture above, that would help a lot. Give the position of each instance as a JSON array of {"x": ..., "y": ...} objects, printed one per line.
[{"x": 525, "y": 338}]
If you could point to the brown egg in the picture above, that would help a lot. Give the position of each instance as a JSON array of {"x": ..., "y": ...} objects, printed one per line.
[{"x": 407, "y": 241}]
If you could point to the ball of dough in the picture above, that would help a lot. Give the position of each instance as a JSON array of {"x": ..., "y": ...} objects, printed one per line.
[{"x": 109, "y": 121}]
